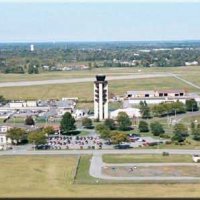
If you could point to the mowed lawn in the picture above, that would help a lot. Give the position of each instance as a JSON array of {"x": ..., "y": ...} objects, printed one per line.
[
  {"x": 52, "y": 176},
  {"x": 188, "y": 71},
  {"x": 147, "y": 158},
  {"x": 84, "y": 91}
]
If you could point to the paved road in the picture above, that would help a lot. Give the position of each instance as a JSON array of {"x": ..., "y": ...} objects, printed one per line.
[
  {"x": 188, "y": 114},
  {"x": 96, "y": 165},
  {"x": 20, "y": 151},
  {"x": 81, "y": 80}
]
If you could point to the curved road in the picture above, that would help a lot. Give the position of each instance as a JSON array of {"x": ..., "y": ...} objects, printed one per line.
[
  {"x": 97, "y": 164},
  {"x": 82, "y": 80}
]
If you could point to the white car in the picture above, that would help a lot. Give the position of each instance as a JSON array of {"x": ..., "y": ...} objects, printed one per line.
[{"x": 196, "y": 158}]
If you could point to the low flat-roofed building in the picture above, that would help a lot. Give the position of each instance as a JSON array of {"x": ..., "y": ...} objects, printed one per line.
[
  {"x": 170, "y": 93},
  {"x": 159, "y": 96},
  {"x": 17, "y": 104},
  {"x": 140, "y": 94}
]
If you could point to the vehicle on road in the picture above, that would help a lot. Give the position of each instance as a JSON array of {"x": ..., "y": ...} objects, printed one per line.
[
  {"x": 122, "y": 146},
  {"x": 196, "y": 158}
]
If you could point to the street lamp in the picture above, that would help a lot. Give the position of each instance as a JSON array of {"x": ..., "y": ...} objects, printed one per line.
[{"x": 34, "y": 144}]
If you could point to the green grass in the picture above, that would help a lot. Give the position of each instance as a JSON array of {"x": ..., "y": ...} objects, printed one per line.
[
  {"x": 190, "y": 71},
  {"x": 35, "y": 175},
  {"x": 83, "y": 171},
  {"x": 84, "y": 133},
  {"x": 84, "y": 91},
  {"x": 52, "y": 176},
  {"x": 137, "y": 158}
]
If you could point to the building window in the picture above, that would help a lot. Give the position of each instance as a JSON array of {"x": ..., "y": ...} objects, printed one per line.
[
  {"x": 146, "y": 95},
  {"x": 165, "y": 94},
  {"x": 181, "y": 94},
  {"x": 129, "y": 95},
  {"x": 176, "y": 95},
  {"x": 160, "y": 94}
]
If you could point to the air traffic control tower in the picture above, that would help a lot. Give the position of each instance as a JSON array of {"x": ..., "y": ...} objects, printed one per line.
[{"x": 100, "y": 98}]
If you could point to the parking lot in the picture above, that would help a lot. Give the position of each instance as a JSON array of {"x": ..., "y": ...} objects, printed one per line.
[{"x": 57, "y": 142}]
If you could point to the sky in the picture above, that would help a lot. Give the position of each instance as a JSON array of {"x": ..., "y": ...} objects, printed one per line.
[{"x": 94, "y": 21}]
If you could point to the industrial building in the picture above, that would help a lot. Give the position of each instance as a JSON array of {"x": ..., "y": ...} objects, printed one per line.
[{"x": 159, "y": 96}]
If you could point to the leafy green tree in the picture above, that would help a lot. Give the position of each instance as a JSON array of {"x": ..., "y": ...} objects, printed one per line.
[
  {"x": 145, "y": 110},
  {"x": 37, "y": 138},
  {"x": 3, "y": 101},
  {"x": 100, "y": 127},
  {"x": 180, "y": 128},
  {"x": 17, "y": 135},
  {"x": 180, "y": 132},
  {"x": 110, "y": 123},
  {"x": 118, "y": 137},
  {"x": 191, "y": 105},
  {"x": 87, "y": 123},
  {"x": 33, "y": 69},
  {"x": 156, "y": 128},
  {"x": 29, "y": 121},
  {"x": 195, "y": 130},
  {"x": 143, "y": 126},
  {"x": 123, "y": 121},
  {"x": 105, "y": 134},
  {"x": 67, "y": 123},
  {"x": 49, "y": 130},
  {"x": 164, "y": 109}
]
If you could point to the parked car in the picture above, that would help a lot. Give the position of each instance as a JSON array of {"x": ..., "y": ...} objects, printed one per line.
[
  {"x": 108, "y": 142},
  {"x": 134, "y": 135},
  {"x": 122, "y": 146},
  {"x": 196, "y": 158},
  {"x": 42, "y": 146}
]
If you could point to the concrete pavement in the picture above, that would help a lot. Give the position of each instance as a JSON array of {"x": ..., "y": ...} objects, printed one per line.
[
  {"x": 185, "y": 81},
  {"x": 82, "y": 80},
  {"x": 97, "y": 164},
  {"x": 99, "y": 152}
]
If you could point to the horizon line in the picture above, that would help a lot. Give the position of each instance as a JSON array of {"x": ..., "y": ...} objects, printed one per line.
[{"x": 101, "y": 41}]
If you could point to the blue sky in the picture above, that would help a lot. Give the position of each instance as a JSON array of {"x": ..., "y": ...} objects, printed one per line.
[{"x": 22, "y": 22}]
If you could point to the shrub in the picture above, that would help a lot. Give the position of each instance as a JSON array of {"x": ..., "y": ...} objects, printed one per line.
[
  {"x": 143, "y": 126},
  {"x": 165, "y": 153},
  {"x": 157, "y": 128},
  {"x": 29, "y": 121}
]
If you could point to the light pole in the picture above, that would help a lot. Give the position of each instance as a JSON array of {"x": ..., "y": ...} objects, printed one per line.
[{"x": 34, "y": 144}]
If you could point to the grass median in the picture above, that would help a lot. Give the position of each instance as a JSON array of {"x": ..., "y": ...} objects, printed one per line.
[{"x": 148, "y": 158}]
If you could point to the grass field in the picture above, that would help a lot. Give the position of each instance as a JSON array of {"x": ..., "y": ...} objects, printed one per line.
[
  {"x": 188, "y": 72},
  {"x": 52, "y": 176},
  {"x": 146, "y": 158},
  {"x": 84, "y": 91}
]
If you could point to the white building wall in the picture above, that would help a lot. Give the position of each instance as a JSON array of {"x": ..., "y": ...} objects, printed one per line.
[
  {"x": 100, "y": 101},
  {"x": 31, "y": 103},
  {"x": 96, "y": 109},
  {"x": 154, "y": 101},
  {"x": 106, "y": 104},
  {"x": 16, "y": 105}
]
